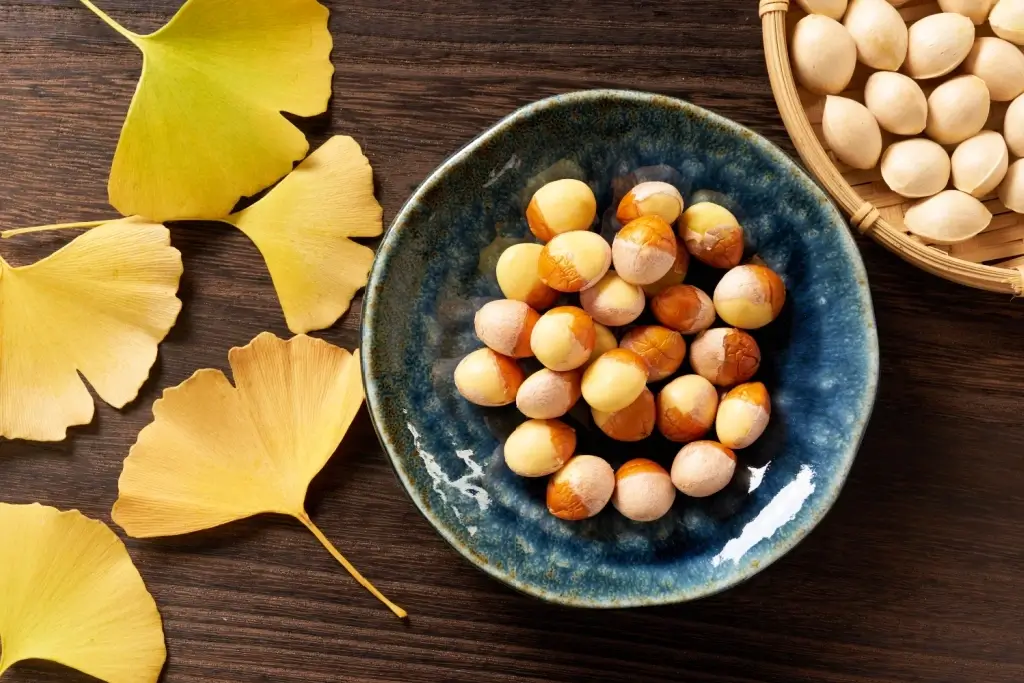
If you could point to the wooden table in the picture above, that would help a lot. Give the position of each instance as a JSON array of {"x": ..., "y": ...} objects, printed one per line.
[{"x": 914, "y": 576}]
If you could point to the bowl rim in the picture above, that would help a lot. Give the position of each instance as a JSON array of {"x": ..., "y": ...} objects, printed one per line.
[{"x": 838, "y": 480}]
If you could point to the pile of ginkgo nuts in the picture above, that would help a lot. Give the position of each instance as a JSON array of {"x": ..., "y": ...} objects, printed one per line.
[
  {"x": 933, "y": 92},
  {"x": 582, "y": 356}
]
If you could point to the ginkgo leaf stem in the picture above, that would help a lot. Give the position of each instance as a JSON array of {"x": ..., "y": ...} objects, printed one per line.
[
  {"x": 304, "y": 518},
  {"x": 56, "y": 226},
  {"x": 110, "y": 22}
]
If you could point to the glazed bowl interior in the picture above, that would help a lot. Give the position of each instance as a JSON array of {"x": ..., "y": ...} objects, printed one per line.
[{"x": 435, "y": 268}]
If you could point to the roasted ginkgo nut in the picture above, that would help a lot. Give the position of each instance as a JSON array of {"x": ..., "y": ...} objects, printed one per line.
[
  {"x": 488, "y": 379},
  {"x": 750, "y": 296},
  {"x": 684, "y": 308},
  {"x": 675, "y": 275},
  {"x": 644, "y": 250},
  {"x": 635, "y": 422},
  {"x": 574, "y": 261},
  {"x": 725, "y": 356},
  {"x": 519, "y": 276},
  {"x": 563, "y": 339},
  {"x": 604, "y": 341},
  {"x": 547, "y": 394},
  {"x": 505, "y": 327},
  {"x": 662, "y": 349},
  {"x": 614, "y": 380},
  {"x": 651, "y": 198},
  {"x": 743, "y": 415},
  {"x": 686, "y": 408},
  {"x": 537, "y": 448},
  {"x": 712, "y": 235},
  {"x": 581, "y": 489},
  {"x": 643, "y": 490},
  {"x": 613, "y": 301},
  {"x": 561, "y": 206},
  {"x": 703, "y": 468}
]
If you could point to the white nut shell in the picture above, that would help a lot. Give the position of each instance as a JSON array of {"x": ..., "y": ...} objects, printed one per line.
[
  {"x": 897, "y": 102},
  {"x": 851, "y": 131},
  {"x": 1000, "y": 64},
  {"x": 833, "y": 9},
  {"x": 979, "y": 163},
  {"x": 1013, "y": 127},
  {"x": 937, "y": 44},
  {"x": 1007, "y": 20},
  {"x": 916, "y": 168},
  {"x": 879, "y": 33},
  {"x": 975, "y": 10},
  {"x": 947, "y": 218},
  {"x": 1011, "y": 192},
  {"x": 957, "y": 110},
  {"x": 823, "y": 54}
]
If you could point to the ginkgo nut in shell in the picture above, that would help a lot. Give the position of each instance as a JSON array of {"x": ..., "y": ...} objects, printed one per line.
[
  {"x": 663, "y": 350},
  {"x": 743, "y": 415},
  {"x": 563, "y": 339},
  {"x": 537, "y": 448},
  {"x": 750, "y": 296},
  {"x": 686, "y": 408},
  {"x": 613, "y": 301},
  {"x": 518, "y": 274},
  {"x": 574, "y": 261},
  {"x": 505, "y": 327},
  {"x": 614, "y": 380},
  {"x": 703, "y": 468},
  {"x": 644, "y": 250},
  {"x": 488, "y": 379},
  {"x": 581, "y": 489},
  {"x": 561, "y": 206},
  {"x": 547, "y": 394},
  {"x": 635, "y": 422},
  {"x": 643, "y": 490}
]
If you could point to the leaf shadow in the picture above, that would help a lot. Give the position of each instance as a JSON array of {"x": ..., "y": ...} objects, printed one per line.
[
  {"x": 45, "y": 671},
  {"x": 218, "y": 538},
  {"x": 338, "y": 473},
  {"x": 16, "y": 449}
]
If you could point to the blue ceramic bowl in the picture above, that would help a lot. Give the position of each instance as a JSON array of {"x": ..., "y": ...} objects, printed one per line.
[{"x": 435, "y": 268}]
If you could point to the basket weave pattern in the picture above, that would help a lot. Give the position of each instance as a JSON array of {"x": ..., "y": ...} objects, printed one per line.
[{"x": 994, "y": 260}]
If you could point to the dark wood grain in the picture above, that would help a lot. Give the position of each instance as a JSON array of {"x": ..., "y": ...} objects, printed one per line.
[{"x": 914, "y": 576}]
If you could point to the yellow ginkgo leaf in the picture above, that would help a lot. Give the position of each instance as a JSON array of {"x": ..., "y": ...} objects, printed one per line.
[
  {"x": 216, "y": 453},
  {"x": 100, "y": 306},
  {"x": 69, "y": 593},
  {"x": 302, "y": 228},
  {"x": 205, "y": 126}
]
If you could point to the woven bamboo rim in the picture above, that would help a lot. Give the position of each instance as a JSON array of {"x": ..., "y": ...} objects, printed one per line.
[{"x": 863, "y": 215}]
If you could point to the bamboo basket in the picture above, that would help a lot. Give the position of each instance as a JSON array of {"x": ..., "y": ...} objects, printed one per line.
[{"x": 993, "y": 260}]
